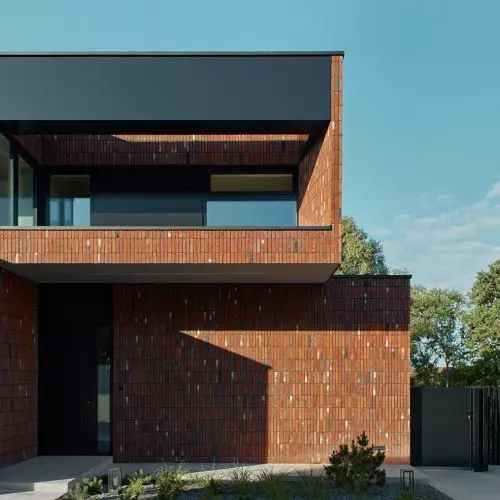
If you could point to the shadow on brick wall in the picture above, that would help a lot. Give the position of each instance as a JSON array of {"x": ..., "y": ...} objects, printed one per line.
[{"x": 180, "y": 398}]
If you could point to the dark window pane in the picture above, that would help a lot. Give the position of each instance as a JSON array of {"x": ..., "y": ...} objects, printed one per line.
[
  {"x": 147, "y": 210},
  {"x": 6, "y": 184},
  {"x": 69, "y": 200},
  {"x": 249, "y": 211},
  {"x": 251, "y": 183},
  {"x": 26, "y": 213}
]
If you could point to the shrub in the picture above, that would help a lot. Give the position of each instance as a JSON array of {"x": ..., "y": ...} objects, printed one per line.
[
  {"x": 77, "y": 493},
  {"x": 170, "y": 483},
  {"x": 275, "y": 486},
  {"x": 146, "y": 479},
  {"x": 134, "y": 489},
  {"x": 313, "y": 487},
  {"x": 240, "y": 478},
  {"x": 357, "y": 468},
  {"x": 211, "y": 488},
  {"x": 93, "y": 486}
]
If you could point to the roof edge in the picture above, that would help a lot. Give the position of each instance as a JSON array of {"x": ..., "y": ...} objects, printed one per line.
[
  {"x": 307, "y": 53},
  {"x": 372, "y": 276}
]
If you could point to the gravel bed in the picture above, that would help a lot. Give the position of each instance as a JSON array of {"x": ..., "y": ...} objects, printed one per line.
[{"x": 423, "y": 491}]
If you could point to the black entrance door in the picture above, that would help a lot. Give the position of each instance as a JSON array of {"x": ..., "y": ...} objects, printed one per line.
[{"x": 75, "y": 332}]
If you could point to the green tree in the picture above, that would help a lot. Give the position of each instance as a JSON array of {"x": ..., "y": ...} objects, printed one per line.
[
  {"x": 360, "y": 253},
  {"x": 436, "y": 332},
  {"x": 483, "y": 318}
]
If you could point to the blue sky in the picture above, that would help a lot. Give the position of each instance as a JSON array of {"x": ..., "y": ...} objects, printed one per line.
[{"x": 421, "y": 102}]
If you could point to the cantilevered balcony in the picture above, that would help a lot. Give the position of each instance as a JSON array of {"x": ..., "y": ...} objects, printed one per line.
[{"x": 158, "y": 177}]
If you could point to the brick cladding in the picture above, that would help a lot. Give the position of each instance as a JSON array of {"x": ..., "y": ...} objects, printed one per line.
[
  {"x": 320, "y": 171},
  {"x": 157, "y": 149},
  {"x": 18, "y": 369},
  {"x": 260, "y": 372},
  {"x": 96, "y": 246}
]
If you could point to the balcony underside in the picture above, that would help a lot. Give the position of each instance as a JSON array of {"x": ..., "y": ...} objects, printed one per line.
[{"x": 174, "y": 273}]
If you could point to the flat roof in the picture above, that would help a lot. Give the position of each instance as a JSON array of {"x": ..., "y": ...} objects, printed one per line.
[{"x": 177, "y": 54}]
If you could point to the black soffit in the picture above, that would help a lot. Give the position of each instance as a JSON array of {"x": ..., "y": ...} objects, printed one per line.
[{"x": 252, "y": 93}]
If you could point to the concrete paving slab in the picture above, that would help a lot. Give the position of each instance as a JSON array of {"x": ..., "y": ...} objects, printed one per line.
[
  {"x": 49, "y": 474},
  {"x": 463, "y": 484},
  {"x": 27, "y": 495}
]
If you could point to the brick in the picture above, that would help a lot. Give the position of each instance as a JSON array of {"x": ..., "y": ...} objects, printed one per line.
[
  {"x": 260, "y": 372},
  {"x": 18, "y": 369}
]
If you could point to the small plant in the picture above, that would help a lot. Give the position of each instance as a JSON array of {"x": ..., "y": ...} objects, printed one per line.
[
  {"x": 211, "y": 488},
  {"x": 407, "y": 495},
  {"x": 78, "y": 492},
  {"x": 313, "y": 487},
  {"x": 93, "y": 486},
  {"x": 146, "y": 479},
  {"x": 134, "y": 489},
  {"x": 274, "y": 485},
  {"x": 170, "y": 482},
  {"x": 357, "y": 468},
  {"x": 240, "y": 478}
]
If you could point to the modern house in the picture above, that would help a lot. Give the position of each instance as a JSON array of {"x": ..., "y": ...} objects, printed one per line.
[{"x": 170, "y": 225}]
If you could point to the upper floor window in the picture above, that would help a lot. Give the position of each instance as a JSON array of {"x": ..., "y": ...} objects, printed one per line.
[
  {"x": 6, "y": 184},
  {"x": 26, "y": 213},
  {"x": 69, "y": 200},
  {"x": 247, "y": 183},
  {"x": 251, "y": 200}
]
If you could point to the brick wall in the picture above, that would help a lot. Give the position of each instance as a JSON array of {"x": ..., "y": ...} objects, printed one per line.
[
  {"x": 260, "y": 372},
  {"x": 320, "y": 171},
  {"x": 94, "y": 246},
  {"x": 160, "y": 149},
  {"x": 18, "y": 369}
]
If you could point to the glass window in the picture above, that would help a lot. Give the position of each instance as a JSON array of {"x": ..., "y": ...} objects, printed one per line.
[
  {"x": 245, "y": 211},
  {"x": 69, "y": 200},
  {"x": 251, "y": 182},
  {"x": 6, "y": 184},
  {"x": 147, "y": 210},
  {"x": 26, "y": 212}
]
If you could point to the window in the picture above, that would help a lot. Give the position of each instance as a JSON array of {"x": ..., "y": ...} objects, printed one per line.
[
  {"x": 251, "y": 183},
  {"x": 6, "y": 184},
  {"x": 25, "y": 208},
  {"x": 251, "y": 200},
  {"x": 252, "y": 211},
  {"x": 69, "y": 200}
]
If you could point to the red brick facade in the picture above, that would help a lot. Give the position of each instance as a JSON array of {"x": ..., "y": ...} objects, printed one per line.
[
  {"x": 267, "y": 372},
  {"x": 168, "y": 246},
  {"x": 260, "y": 372},
  {"x": 18, "y": 368},
  {"x": 174, "y": 150}
]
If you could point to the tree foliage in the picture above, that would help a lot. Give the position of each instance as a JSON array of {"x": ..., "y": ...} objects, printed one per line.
[
  {"x": 436, "y": 332},
  {"x": 361, "y": 254},
  {"x": 464, "y": 335},
  {"x": 483, "y": 318}
]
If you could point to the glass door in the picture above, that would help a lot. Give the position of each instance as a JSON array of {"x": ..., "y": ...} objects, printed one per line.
[{"x": 104, "y": 391}]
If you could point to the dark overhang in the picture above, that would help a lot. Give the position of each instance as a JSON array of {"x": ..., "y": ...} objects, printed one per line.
[{"x": 166, "y": 93}]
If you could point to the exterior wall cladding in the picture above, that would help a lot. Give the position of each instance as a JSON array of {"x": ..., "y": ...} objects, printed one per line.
[
  {"x": 18, "y": 368},
  {"x": 262, "y": 372}
]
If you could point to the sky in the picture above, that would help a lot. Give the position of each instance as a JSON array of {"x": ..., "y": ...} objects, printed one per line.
[{"x": 421, "y": 132}]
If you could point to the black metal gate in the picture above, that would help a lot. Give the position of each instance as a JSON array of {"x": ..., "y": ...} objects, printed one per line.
[
  {"x": 493, "y": 396},
  {"x": 455, "y": 426}
]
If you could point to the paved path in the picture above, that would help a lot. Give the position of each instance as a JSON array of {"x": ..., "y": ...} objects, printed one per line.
[
  {"x": 48, "y": 474},
  {"x": 462, "y": 484}
]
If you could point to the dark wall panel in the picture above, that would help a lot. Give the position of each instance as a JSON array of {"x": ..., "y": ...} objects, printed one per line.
[{"x": 147, "y": 88}]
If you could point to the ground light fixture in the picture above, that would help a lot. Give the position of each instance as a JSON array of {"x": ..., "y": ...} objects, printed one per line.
[{"x": 114, "y": 480}]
